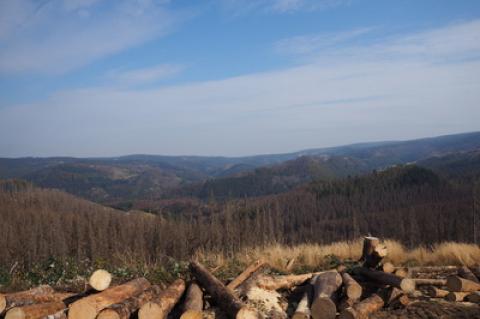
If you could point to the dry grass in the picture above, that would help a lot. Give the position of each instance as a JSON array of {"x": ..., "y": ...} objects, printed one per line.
[{"x": 316, "y": 257}]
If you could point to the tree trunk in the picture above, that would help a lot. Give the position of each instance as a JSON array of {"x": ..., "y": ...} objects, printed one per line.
[
  {"x": 125, "y": 309},
  {"x": 430, "y": 282},
  {"x": 351, "y": 287},
  {"x": 193, "y": 305},
  {"x": 221, "y": 294},
  {"x": 435, "y": 292},
  {"x": 100, "y": 280},
  {"x": 303, "y": 308},
  {"x": 35, "y": 295},
  {"x": 281, "y": 282},
  {"x": 161, "y": 305},
  {"x": 37, "y": 311},
  {"x": 406, "y": 284},
  {"x": 89, "y": 307},
  {"x": 373, "y": 252},
  {"x": 456, "y": 296},
  {"x": 466, "y": 273},
  {"x": 324, "y": 288},
  {"x": 245, "y": 274},
  {"x": 455, "y": 283},
  {"x": 362, "y": 309}
]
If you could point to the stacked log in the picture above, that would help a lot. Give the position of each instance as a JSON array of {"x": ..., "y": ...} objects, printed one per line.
[
  {"x": 406, "y": 284},
  {"x": 325, "y": 287},
  {"x": 459, "y": 284},
  {"x": 40, "y": 294},
  {"x": 35, "y": 311},
  {"x": 364, "y": 308},
  {"x": 193, "y": 305},
  {"x": 161, "y": 305}
]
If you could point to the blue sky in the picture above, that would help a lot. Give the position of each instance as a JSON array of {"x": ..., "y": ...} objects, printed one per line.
[{"x": 233, "y": 77}]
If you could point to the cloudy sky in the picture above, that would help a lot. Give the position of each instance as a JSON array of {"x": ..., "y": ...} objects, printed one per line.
[{"x": 233, "y": 77}]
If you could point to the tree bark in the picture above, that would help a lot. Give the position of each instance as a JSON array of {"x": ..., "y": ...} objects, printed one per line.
[
  {"x": 221, "y": 294},
  {"x": 373, "y": 252},
  {"x": 245, "y": 274},
  {"x": 100, "y": 280},
  {"x": 466, "y": 273},
  {"x": 430, "y": 282},
  {"x": 363, "y": 309},
  {"x": 458, "y": 284},
  {"x": 406, "y": 284},
  {"x": 89, "y": 307},
  {"x": 161, "y": 305},
  {"x": 435, "y": 292},
  {"x": 40, "y": 294},
  {"x": 193, "y": 305},
  {"x": 456, "y": 296},
  {"x": 126, "y": 308},
  {"x": 325, "y": 286},
  {"x": 37, "y": 311},
  {"x": 303, "y": 308},
  {"x": 351, "y": 287}
]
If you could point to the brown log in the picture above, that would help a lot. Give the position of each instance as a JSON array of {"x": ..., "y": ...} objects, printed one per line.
[
  {"x": 466, "y": 273},
  {"x": 456, "y": 296},
  {"x": 325, "y": 286},
  {"x": 36, "y": 311},
  {"x": 281, "y": 282},
  {"x": 364, "y": 308},
  {"x": 406, "y": 284},
  {"x": 345, "y": 303},
  {"x": 193, "y": 305},
  {"x": 476, "y": 271},
  {"x": 473, "y": 297},
  {"x": 24, "y": 298},
  {"x": 224, "y": 297},
  {"x": 457, "y": 284},
  {"x": 89, "y": 307},
  {"x": 303, "y": 308},
  {"x": 435, "y": 292},
  {"x": 402, "y": 272},
  {"x": 126, "y": 308},
  {"x": 161, "y": 305},
  {"x": 100, "y": 280},
  {"x": 388, "y": 267},
  {"x": 351, "y": 287},
  {"x": 245, "y": 274},
  {"x": 430, "y": 282},
  {"x": 373, "y": 252},
  {"x": 390, "y": 294}
]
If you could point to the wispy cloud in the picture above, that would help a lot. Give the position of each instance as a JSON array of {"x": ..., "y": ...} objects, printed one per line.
[
  {"x": 54, "y": 37},
  {"x": 239, "y": 7},
  {"x": 403, "y": 87},
  {"x": 145, "y": 75}
]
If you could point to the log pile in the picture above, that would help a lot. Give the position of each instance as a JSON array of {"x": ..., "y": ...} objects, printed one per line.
[{"x": 345, "y": 292}]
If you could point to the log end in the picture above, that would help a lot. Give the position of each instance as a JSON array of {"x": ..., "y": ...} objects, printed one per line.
[
  {"x": 108, "y": 314},
  {"x": 454, "y": 283},
  {"x": 151, "y": 310},
  {"x": 348, "y": 313},
  {"x": 473, "y": 297},
  {"x": 3, "y": 303},
  {"x": 299, "y": 315},
  {"x": 354, "y": 292},
  {"x": 192, "y": 314},
  {"x": 82, "y": 310},
  {"x": 15, "y": 313},
  {"x": 323, "y": 308},
  {"x": 455, "y": 296},
  {"x": 407, "y": 285},
  {"x": 388, "y": 267},
  {"x": 100, "y": 280},
  {"x": 248, "y": 313}
]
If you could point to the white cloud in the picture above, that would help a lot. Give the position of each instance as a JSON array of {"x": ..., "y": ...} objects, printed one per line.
[
  {"x": 51, "y": 38},
  {"x": 238, "y": 7},
  {"x": 376, "y": 92},
  {"x": 145, "y": 75}
]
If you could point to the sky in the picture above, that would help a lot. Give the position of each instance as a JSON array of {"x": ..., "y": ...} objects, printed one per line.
[{"x": 233, "y": 77}]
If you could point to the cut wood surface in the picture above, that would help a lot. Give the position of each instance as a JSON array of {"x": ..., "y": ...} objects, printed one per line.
[
  {"x": 325, "y": 286},
  {"x": 430, "y": 282},
  {"x": 373, "y": 252},
  {"x": 161, "y": 305},
  {"x": 435, "y": 292},
  {"x": 473, "y": 297},
  {"x": 364, "y": 308},
  {"x": 90, "y": 306},
  {"x": 457, "y": 284},
  {"x": 466, "y": 273},
  {"x": 37, "y": 311},
  {"x": 402, "y": 272},
  {"x": 193, "y": 305},
  {"x": 456, "y": 296},
  {"x": 100, "y": 280},
  {"x": 40, "y": 294},
  {"x": 245, "y": 274},
  {"x": 303, "y": 308},
  {"x": 223, "y": 296},
  {"x": 351, "y": 287},
  {"x": 388, "y": 267},
  {"x": 126, "y": 308},
  {"x": 281, "y": 282},
  {"x": 406, "y": 284}
]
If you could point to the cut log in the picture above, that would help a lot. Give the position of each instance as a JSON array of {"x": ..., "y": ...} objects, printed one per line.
[
  {"x": 364, "y": 308},
  {"x": 100, "y": 280},
  {"x": 402, "y": 272},
  {"x": 373, "y": 252},
  {"x": 345, "y": 303},
  {"x": 126, "y": 308},
  {"x": 282, "y": 282},
  {"x": 245, "y": 274},
  {"x": 430, "y": 282},
  {"x": 456, "y": 296},
  {"x": 406, "y": 284},
  {"x": 466, "y": 273},
  {"x": 303, "y": 308},
  {"x": 435, "y": 292},
  {"x": 193, "y": 305},
  {"x": 161, "y": 305},
  {"x": 390, "y": 294},
  {"x": 476, "y": 271},
  {"x": 325, "y": 286},
  {"x": 473, "y": 297},
  {"x": 223, "y": 296},
  {"x": 89, "y": 307},
  {"x": 37, "y": 311},
  {"x": 388, "y": 267},
  {"x": 351, "y": 287},
  {"x": 40, "y": 294},
  {"x": 457, "y": 284}
]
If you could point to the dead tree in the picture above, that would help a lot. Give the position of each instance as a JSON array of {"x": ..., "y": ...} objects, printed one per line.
[
  {"x": 100, "y": 280},
  {"x": 458, "y": 284},
  {"x": 193, "y": 305},
  {"x": 362, "y": 309},
  {"x": 245, "y": 274},
  {"x": 161, "y": 305},
  {"x": 325, "y": 286},
  {"x": 36, "y": 311},
  {"x": 406, "y": 284},
  {"x": 373, "y": 252}
]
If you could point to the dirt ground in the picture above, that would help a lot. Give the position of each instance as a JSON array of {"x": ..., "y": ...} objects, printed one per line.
[{"x": 432, "y": 309}]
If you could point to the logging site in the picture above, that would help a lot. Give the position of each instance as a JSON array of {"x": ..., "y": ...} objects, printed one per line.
[{"x": 371, "y": 286}]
